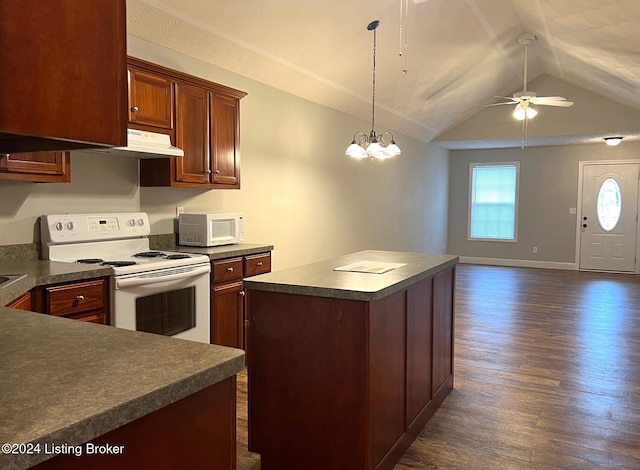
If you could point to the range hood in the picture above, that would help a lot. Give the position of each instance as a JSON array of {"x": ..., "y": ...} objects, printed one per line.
[{"x": 144, "y": 144}]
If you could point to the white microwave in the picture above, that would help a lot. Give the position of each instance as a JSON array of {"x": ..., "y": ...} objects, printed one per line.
[{"x": 210, "y": 229}]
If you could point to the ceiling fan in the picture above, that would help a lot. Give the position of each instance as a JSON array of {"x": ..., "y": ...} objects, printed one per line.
[{"x": 526, "y": 98}]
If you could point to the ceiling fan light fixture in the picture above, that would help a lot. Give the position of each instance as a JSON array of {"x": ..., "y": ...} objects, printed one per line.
[
  {"x": 524, "y": 110},
  {"x": 612, "y": 141},
  {"x": 373, "y": 146}
]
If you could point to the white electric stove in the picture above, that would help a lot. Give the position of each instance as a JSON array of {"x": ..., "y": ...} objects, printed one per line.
[{"x": 154, "y": 291}]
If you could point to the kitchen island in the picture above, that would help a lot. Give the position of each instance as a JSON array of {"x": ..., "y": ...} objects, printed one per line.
[
  {"x": 347, "y": 366},
  {"x": 80, "y": 395}
]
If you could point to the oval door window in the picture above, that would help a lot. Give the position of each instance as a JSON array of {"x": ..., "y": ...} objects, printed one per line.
[{"x": 609, "y": 205}]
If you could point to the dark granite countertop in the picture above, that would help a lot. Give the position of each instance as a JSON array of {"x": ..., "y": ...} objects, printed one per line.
[
  {"x": 67, "y": 382},
  {"x": 41, "y": 272},
  {"x": 320, "y": 279}
]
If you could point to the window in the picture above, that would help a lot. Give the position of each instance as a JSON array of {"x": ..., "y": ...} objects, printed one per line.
[
  {"x": 609, "y": 205},
  {"x": 493, "y": 199}
]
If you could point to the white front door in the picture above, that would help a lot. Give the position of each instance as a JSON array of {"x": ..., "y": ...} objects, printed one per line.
[{"x": 608, "y": 217}]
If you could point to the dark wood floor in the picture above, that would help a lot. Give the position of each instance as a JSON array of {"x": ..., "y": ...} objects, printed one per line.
[{"x": 547, "y": 375}]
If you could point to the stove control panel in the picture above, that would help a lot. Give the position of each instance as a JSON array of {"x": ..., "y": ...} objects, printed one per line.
[
  {"x": 76, "y": 228},
  {"x": 103, "y": 224}
]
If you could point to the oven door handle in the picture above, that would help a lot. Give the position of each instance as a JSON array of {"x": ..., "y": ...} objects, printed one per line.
[{"x": 139, "y": 281}]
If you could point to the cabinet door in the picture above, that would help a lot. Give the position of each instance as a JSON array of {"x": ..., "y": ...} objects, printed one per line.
[
  {"x": 150, "y": 99},
  {"x": 192, "y": 134},
  {"x": 64, "y": 84},
  {"x": 227, "y": 308},
  {"x": 38, "y": 167},
  {"x": 442, "y": 328},
  {"x": 419, "y": 335},
  {"x": 225, "y": 144}
]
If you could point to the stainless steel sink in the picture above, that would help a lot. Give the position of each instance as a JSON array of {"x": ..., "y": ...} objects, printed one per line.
[{"x": 7, "y": 279}]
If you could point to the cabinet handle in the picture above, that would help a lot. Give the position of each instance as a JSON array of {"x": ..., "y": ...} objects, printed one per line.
[
  {"x": 230, "y": 269},
  {"x": 241, "y": 293},
  {"x": 216, "y": 171},
  {"x": 135, "y": 109},
  {"x": 80, "y": 298},
  {"x": 207, "y": 172},
  {"x": 259, "y": 263}
]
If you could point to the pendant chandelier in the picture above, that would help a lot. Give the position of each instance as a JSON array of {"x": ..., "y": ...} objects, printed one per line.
[{"x": 372, "y": 145}]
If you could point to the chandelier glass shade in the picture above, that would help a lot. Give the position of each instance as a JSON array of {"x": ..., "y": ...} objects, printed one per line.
[{"x": 373, "y": 146}]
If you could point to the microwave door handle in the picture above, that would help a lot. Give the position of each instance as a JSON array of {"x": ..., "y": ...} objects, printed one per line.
[{"x": 139, "y": 281}]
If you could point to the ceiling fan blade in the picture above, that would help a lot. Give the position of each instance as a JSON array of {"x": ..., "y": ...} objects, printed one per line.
[
  {"x": 549, "y": 98},
  {"x": 562, "y": 104},
  {"x": 498, "y": 104}
]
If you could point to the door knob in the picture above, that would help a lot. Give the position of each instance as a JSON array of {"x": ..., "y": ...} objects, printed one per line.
[{"x": 135, "y": 109}]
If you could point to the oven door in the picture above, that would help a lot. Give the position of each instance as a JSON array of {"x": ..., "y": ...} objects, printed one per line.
[{"x": 170, "y": 301}]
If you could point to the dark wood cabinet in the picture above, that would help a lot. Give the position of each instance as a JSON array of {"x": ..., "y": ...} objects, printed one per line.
[
  {"x": 65, "y": 82},
  {"x": 151, "y": 101},
  {"x": 419, "y": 339},
  {"x": 225, "y": 140},
  {"x": 206, "y": 125},
  {"x": 358, "y": 379},
  {"x": 228, "y": 318},
  {"x": 201, "y": 425},
  {"x": 85, "y": 300},
  {"x": 227, "y": 324},
  {"x": 37, "y": 167},
  {"x": 443, "y": 285},
  {"x": 192, "y": 135}
]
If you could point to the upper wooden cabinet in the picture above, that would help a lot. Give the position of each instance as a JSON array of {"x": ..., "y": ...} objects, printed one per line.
[
  {"x": 65, "y": 81},
  {"x": 150, "y": 100},
  {"x": 225, "y": 135},
  {"x": 37, "y": 167},
  {"x": 192, "y": 135},
  {"x": 205, "y": 122}
]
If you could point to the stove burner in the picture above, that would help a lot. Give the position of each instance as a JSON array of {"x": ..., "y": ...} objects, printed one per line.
[
  {"x": 118, "y": 264},
  {"x": 177, "y": 256},
  {"x": 149, "y": 254},
  {"x": 90, "y": 260}
]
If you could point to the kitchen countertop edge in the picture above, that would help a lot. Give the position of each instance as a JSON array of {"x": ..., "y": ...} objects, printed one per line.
[
  {"x": 43, "y": 272},
  {"x": 320, "y": 280},
  {"x": 78, "y": 426}
]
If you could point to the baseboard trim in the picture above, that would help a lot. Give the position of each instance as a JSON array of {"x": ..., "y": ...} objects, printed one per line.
[{"x": 519, "y": 263}]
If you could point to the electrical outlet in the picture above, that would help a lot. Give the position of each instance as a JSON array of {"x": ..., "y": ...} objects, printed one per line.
[
  {"x": 535, "y": 249},
  {"x": 572, "y": 210},
  {"x": 179, "y": 210}
]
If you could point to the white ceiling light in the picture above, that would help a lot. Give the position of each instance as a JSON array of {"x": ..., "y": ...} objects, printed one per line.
[
  {"x": 373, "y": 146},
  {"x": 524, "y": 110},
  {"x": 612, "y": 141}
]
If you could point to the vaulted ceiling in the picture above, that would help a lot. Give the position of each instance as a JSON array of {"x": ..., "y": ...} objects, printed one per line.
[{"x": 458, "y": 54}]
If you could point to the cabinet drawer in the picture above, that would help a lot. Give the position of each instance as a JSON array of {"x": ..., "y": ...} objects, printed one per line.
[
  {"x": 92, "y": 317},
  {"x": 226, "y": 270},
  {"x": 257, "y": 264},
  {"x": 75, "y": 298}
]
